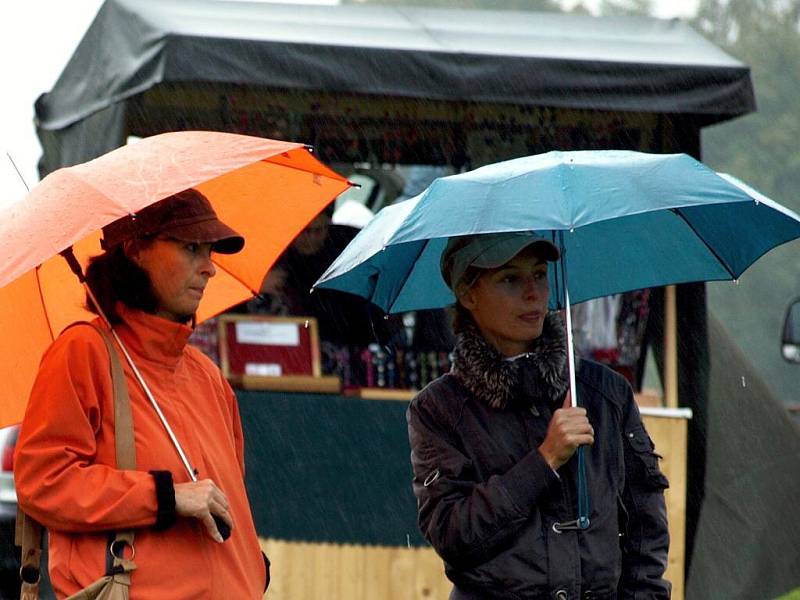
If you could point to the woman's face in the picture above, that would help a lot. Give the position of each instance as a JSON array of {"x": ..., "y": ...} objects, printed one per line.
[
  {"x": 179, "y": 272},
  {"x": 509, "y": 303}
]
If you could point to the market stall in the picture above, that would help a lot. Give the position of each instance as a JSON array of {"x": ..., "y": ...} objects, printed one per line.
[{"x": 382, "y": 86}]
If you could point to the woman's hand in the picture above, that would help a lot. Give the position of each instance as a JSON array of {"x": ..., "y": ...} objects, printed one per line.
[
  {"x": 201, "y": 500},
  {"x": 568, "y": 429}
]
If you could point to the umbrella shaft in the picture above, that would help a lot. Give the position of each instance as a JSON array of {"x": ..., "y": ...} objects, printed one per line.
[
  {"x": 157, "y": 408},
  {"x": 570, "y": 348}
]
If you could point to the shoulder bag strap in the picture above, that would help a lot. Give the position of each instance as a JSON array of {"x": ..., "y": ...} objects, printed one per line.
[
  {"x": 120, "y": 566},
  {"x": 28, "y": 532},
  {"x": 123, "y": 419}
]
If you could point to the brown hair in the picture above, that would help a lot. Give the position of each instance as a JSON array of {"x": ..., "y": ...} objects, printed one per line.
[
  {"x": 460, "y": 317},
  {"x": 113, "y": 277}
]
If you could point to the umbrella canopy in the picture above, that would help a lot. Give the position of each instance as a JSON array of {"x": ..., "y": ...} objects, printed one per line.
[
  {"x": 267, "y": 190},
  {"x": 624, "y": 220}
]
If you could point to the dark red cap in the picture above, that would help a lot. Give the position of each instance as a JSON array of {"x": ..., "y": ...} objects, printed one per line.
[{"x": 187, "y": 216}]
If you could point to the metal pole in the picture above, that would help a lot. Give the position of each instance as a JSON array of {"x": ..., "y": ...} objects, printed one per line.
[{"x": 670, "y": 347}]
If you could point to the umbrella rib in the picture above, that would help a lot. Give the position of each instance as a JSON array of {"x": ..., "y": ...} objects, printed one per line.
[
  {"x": 236, "y": 277},
  {"x": 296, "y": 168},
  {"x": 702, "y": 239},
  {"x": 44, "y": 306}
]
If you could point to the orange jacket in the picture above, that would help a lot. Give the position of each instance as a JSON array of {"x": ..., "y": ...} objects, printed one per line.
[{"x": 65, "y": 467}]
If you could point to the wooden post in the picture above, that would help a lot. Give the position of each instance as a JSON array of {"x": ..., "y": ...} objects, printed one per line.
[{"x": 670, "y": 348}]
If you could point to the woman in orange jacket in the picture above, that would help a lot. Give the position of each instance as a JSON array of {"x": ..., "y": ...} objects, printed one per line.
[{"x": 149, "y": 283}]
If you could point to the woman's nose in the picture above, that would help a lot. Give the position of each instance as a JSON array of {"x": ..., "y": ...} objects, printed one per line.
[
  {"x": 532, "y": 287},
  {"x": 208, "y": 267}
]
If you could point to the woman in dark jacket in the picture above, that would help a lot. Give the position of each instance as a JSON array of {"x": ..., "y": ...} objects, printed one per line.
[{"x": 493, "y": 440}]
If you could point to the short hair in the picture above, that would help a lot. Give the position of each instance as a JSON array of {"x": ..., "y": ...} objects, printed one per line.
[
  {"x": 460, "y": 317},
  {"x": 113, "y": 276}
]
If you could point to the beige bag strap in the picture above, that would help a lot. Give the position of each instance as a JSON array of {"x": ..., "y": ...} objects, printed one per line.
[
  {"x": 28, "y": 532},
  {"x": 123, "y": 418},
  {"x": 29, "y": 536}
]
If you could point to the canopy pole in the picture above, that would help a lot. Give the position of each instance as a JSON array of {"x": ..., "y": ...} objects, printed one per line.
[{"x": 670, "y": 348}]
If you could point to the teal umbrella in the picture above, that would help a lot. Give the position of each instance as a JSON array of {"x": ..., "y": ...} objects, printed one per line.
[{"x": 623, "y": 220}]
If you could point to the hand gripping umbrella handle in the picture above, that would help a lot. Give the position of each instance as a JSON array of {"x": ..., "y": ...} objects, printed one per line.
[{"x": 223, "y": 528}]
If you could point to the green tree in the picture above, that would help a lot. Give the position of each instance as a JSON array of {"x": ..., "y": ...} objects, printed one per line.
[{"x": 762, "y": 149}]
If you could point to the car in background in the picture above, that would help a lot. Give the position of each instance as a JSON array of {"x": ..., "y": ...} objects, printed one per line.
[
  {"x": 9, "y": 553},
  {"x": 790, "y": 343}
]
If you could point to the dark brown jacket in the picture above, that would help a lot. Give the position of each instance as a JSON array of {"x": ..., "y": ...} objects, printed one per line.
[{"x": 487, "y": 500}]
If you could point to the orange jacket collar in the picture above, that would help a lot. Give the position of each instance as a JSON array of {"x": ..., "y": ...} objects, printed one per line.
[{"x": 151, "y": 337}]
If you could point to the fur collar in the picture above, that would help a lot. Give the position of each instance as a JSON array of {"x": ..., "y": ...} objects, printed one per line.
[{"x": 540, "y": 373}]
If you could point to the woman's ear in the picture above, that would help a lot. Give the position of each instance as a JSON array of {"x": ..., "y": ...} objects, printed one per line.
[
  {"x": 131, "y": 249},
  {"x": 465, "y": 296}
]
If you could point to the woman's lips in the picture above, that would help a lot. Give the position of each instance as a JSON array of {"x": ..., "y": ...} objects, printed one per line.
[{"x": 531, "y": 316}]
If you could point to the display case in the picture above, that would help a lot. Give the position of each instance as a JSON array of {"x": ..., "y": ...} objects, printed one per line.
[{"x": 259, "y": 352}]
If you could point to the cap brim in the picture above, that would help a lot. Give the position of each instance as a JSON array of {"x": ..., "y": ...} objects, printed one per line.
[
  {"x": 222, "y": 238},
  {"x": 504, "y": 251}
]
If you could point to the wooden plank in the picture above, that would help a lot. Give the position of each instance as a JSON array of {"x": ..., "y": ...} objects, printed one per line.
[
  {"x": 277, "y": 552},
  {"x": 382, "y": 394},
  {"x": 325, "y": 384},
  {"x": 669, "y": 436},
  {"x": 352, "y": 572},
  {"x": 327, "y": 564},
  {"x": 670, "y": 347},
  {"x": 401, "y": 574},
  {"x": 430, "y": 582},
  {"x": 377, "y": 567}
]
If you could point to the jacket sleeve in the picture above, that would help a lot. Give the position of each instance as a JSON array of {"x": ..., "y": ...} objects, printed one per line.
[
  {"x": 646, "y": 537},
  {"x": 467, "y": 521},
  {"x": 57, "y": 479}
]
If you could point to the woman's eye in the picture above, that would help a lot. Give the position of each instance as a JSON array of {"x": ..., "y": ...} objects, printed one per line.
[{"x": 193, "y": 248}]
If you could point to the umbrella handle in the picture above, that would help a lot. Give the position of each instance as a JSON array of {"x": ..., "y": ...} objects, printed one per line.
[{"x": 223, "y": 528}]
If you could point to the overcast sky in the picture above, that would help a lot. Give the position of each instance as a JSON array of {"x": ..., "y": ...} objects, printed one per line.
[{"x": 36, "y": 40}]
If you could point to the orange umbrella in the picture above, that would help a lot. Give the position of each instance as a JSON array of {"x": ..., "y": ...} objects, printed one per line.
[{"x": 267, "y": 190}]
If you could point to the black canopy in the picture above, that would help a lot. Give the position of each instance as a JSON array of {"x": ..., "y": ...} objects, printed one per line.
[{"x": 525, "y": 58}]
